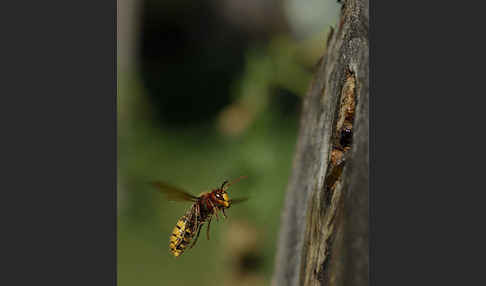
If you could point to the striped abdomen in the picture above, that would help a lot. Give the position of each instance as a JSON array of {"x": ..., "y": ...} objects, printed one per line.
[{"x": 181, "y": 236}]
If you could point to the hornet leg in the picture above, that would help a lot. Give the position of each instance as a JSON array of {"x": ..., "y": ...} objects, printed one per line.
[
  {"x": 215, "y": 210},
  {"x": 207, "y": 230},
  {"x": 197, "y": 236},
  {"x": 197, "y": 214}
]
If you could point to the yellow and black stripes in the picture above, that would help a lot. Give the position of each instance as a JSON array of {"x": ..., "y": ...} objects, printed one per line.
[{"x": 181, "y": 236}]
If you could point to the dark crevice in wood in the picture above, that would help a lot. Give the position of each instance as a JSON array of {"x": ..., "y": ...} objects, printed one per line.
[
  {"x": 323, "y": 274},
  {"x": 344, "y": 127},
  {"x": 344, "y": 120}
]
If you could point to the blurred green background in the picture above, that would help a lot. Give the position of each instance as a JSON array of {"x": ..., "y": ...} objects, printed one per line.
[{"x": 208, "y": 91}]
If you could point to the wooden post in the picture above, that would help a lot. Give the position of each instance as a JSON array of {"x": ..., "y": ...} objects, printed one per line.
[{"x": 325, "y": 221}]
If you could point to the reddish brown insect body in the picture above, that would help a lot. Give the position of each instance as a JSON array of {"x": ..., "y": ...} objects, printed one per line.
[{"x": 204, "y": 207}]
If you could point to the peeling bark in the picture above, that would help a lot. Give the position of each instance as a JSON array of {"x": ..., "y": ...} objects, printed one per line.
[{"x": 324, "y": 231}]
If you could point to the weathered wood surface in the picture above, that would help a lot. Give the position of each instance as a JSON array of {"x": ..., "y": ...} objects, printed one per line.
[{"x": 324, "y": 228}]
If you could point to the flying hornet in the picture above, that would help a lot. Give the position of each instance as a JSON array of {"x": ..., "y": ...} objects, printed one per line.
[{"x": 204, "y": 207}]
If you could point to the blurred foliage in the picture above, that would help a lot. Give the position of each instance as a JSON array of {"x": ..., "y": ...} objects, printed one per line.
[
  {"x": 197, "y": 159},
  {"x": 252, "y": 134}
]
